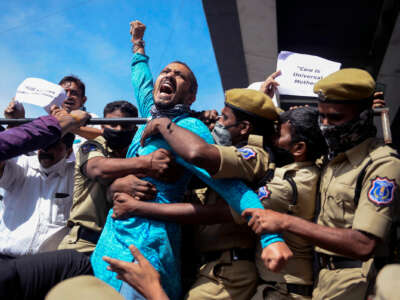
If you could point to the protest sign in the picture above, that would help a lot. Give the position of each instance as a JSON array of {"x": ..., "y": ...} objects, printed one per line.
[
  {"x": 40, "y": 92},
  {"x": 301, "y": 71}
]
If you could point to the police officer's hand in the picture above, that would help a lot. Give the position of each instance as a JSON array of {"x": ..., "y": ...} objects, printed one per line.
[
  {"x": 14, "y": 110},
  {"x": 209, "y": 117},
  {"x": 270, "y": 85},
  {"x": 137, "y": 188},
  {"x": 275, "y": 256},
  {"x": 140, "y": 274},
  {"x": 153, "y": 128},
  {"x": 160, "y": 163},
  {"x": 264, "y": 220}
]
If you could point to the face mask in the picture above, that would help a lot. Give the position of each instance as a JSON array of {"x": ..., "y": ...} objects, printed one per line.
[
  {"x": 118, "y": 139},
  {"x": 56, "y": 166},
  {"x": 282, "y": 156},
  {"x": 340, "y": 138},
  {"x": 221, "y": 135}
]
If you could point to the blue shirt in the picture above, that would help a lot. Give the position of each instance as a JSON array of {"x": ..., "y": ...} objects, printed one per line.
[{"x": 160, "y": 241}]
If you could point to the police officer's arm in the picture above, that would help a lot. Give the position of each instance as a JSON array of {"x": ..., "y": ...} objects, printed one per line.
[
  {"x": 186, "y": 144},
  {"x": 102, "y": 168},
  {"x": 348, "y": 242},
  {"x": 126, "y": 206}
]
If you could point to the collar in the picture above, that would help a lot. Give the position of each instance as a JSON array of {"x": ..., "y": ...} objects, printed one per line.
[
  {"x": 356, "y": 154},
  {"x": 292, "y": 167},
  {"x": 59, "y": 168}
]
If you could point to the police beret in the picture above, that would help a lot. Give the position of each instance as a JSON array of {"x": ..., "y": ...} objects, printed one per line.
[
  {"x": 252, "y": 102},
  {"x": 83, "y": 287},
  {"x": 346, "y": 85}
]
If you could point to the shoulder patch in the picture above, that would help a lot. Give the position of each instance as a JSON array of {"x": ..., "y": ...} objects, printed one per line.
[
  {"x": 381, "y": 191},
  {"x": 247, "y": 153},
  {"x": 86, "y": 148},
  {"x": 264, "y": 193}
]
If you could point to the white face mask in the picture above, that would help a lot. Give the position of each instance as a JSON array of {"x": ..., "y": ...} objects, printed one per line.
[{"x": 59, "y": 165}]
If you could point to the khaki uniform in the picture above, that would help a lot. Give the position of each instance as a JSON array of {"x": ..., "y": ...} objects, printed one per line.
[
  {"x": 89, "y": 205},
  {"x": 226, "y": 277},
  {"x": 372, "y": 215},
  {"x": 278, "y": 195}
]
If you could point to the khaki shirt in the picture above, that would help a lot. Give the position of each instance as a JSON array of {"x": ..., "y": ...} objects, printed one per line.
[
  {"x": 90, "y": 205},
  {"x": 278, "y": 196},
  {"x": 379, "y": 192},
  {"x": 248, "y": 163}
]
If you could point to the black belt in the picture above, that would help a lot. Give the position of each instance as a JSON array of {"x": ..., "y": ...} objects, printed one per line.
[
  {"x": 236, "y": 254},
  {"x": 299, "y": 289},
  {"x": 88, "y": 234},
  {"x": 332, "y": 262}
]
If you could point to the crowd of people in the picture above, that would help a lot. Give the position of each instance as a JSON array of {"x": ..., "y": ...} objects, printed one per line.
[{"x": 253, "y": 203}]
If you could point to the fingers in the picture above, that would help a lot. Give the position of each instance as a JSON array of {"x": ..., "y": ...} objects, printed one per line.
[
  {"x": 248, "y": 212},
  {"x": 275, "y": 74},
  {"x": 115, "y": 263},
  {"x": 137, "y": 254}
]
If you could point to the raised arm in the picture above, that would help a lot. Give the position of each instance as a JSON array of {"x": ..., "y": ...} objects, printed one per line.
[{"x": 141, "y": 77}]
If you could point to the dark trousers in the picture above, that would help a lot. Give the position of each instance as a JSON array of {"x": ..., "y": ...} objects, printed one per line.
[{"x": 32, "y": 276}]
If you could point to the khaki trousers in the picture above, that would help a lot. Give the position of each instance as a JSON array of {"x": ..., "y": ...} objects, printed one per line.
[
  {"x": 346, "y": 284},
  {"x": 225, "y": 279}
]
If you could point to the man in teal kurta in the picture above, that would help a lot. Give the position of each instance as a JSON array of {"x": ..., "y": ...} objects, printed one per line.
[{"x": 174, "y": 91}]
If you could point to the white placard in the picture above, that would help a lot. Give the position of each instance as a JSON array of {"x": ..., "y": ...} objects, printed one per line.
[
  {"x": 301, "y": 71},
  {"x": 40, "y": 92}
]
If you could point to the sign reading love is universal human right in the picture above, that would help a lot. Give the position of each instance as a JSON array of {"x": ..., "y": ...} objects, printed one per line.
[{"x": 301, "y": 71}]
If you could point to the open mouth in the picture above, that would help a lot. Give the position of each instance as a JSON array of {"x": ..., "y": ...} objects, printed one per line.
[
  {"x": 69, "y": 102},
  {"x": 167, "y": 87}
]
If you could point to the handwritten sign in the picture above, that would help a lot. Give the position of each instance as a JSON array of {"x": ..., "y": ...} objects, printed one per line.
[
  {"x": 301, "y": 71},
  {"x": 40, "y": 92}
]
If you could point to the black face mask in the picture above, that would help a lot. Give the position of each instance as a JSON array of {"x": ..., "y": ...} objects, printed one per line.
[
  {"x": 118, "y": 139},
  {"x": 282, "y": 156}
]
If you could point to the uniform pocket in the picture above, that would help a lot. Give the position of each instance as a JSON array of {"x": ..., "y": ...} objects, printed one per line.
[{"x": 61, "y": 207}]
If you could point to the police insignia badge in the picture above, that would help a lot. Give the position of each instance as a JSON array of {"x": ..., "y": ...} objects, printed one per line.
[
  {"x": 264, "y": 193},
  {"x": 381, "y": 191},
  {"x": 247, "y": 153},
  {"x": 86, "y": 148}
]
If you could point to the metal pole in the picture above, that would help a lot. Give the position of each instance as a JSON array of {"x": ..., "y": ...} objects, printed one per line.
[{"x": 94, "y": 121}]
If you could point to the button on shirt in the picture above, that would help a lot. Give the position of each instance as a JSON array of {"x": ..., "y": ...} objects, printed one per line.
[{"x": 36, "y": 203}]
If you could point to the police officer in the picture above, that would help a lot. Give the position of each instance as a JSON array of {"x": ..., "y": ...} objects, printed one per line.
[
  {"x": 227, "y": 269},
  {"x": 358, "y": 190},
  {"x": 293, "y": 190}
]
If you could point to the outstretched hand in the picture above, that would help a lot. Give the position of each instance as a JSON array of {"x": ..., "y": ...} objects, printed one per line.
[{"x": 140, "y": 274}]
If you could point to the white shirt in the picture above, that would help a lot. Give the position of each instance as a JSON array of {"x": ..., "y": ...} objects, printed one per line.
[{"x": 36, "y": 205}]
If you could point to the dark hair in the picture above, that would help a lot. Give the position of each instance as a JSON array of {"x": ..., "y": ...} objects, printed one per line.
[
  {"x": 304, "y": 128},
  {"x": 68, "y": 139},
  {"x": 76, "y": 80},
  {"x": 128, "y": 109},
  {"x": 261, "y": 126},
  {"x": 192, "y": 78}
]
